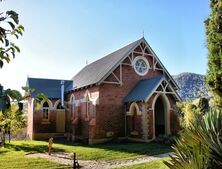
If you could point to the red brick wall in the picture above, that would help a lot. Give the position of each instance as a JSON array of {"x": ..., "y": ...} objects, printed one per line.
[
  {"x": 110, "y": 112},
  {"x": 79, "y": 124},
  {"x": 39, "y": 126},
  {"x": 43, "y": 127}
]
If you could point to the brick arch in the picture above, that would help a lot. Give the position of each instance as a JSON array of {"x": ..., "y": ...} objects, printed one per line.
[
  {"x": 134, "y": 106},
  {"x": 167, "y": 106},
  {"x": 71, "y": 99},
  {"x": 57, "y": 103},
  {"x": 49, "y": 103}
]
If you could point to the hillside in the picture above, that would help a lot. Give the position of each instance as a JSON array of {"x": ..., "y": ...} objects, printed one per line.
[{"x": 192, "y": 86}]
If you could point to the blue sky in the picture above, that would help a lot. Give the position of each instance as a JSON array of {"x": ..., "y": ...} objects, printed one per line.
[{"x": 61, "y": 35}]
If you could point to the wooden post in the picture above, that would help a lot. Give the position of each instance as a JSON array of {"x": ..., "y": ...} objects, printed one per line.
[
  {"x": 74, "y": 161},
  {"x": 50, "y": 145}
]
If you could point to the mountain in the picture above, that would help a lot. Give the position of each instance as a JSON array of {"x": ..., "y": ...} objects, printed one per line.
[{"x": 191, "y": 86}]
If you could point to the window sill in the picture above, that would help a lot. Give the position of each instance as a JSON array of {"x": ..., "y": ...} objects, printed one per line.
[{"x": 45, "y": 122}]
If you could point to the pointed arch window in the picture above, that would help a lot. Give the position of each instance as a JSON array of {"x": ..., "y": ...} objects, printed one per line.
[
  {"x": 59, "y": 106},
  {"x": 45, "y": 111},
  {"x": 72, "y": 105},
  {"x": 87, "y": 106}
]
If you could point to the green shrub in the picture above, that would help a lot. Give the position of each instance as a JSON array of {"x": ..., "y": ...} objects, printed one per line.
[
  {"x": 192, "y": 112},
  {"x": 199, "y": 146}
]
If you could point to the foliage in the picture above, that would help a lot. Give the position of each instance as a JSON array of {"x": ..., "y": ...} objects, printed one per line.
[
  {"x": 192, "y": 112},
  {"x": 6, "y": 114},
  {"x": 203, "y": 104},
  {"x": 9, "y": 28},
  {"x": 12, "y": 121},
  {"x": 211, "y": 132},
  {"x": 187, "y": 113},
  {"x": 214, "y": 45},
  {"x": 12, "y": 116},
  {"x": 199, "y": 146}
]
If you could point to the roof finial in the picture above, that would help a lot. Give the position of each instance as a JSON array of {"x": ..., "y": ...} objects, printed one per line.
[
  {"x": 86, "y": 62},
  {"x": 143, "y": 34}
]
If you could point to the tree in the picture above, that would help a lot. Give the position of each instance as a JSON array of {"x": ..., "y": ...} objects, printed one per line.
[
  {"x": 9, "y": 28},
  {"x": 12, "y": 115},
  {"x": 214, "y": 44},
  {"x": 7, "y": 97},
  {"x": 12, "y": 121}
]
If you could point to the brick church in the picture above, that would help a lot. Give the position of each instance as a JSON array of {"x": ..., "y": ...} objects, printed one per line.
[{"x": 128, "y": 93}]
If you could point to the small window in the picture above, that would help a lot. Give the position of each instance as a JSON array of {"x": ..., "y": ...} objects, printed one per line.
[
  {"x": 87, "y": 106},
  {"x": 45, "y": 104},
  {"x": 45, "y": 114},
  {"x": 45, "y": 111}
]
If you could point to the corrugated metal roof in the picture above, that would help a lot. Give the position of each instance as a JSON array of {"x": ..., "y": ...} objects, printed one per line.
[
  {"x": 50, "y": 87},
  {"x": 143, "y": 89},
  {"x": 94, "y": 72}
]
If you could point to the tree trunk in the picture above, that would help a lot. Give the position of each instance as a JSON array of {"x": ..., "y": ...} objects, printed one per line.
[
  {"x": 3, "y": 138},
  {"x": 9, "y": 136}
]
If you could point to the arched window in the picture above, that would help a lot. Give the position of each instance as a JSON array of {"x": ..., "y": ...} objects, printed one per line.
[
  {"x": 133, "y": 113},
  {"x": 72, "y": 99},
  {"x": 87, "y": 106},
  {"x": 72, "y": 105},
  {"x": 45, "y": 110},
  {"x": 58, "y": 105}
]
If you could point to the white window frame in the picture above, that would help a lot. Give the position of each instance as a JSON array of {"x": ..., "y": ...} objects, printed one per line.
[{"x": 147, "y": 64}]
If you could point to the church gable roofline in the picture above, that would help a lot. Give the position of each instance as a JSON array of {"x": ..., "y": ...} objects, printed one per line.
[
  {"x": 95, "y": 72},
  {"x": 98, "y": 71}
]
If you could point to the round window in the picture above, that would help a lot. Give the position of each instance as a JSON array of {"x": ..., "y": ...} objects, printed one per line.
[{"x": 141, "y": 65}]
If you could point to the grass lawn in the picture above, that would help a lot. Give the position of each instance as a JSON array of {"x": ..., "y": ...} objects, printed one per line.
[
  {"x": 11, "y": 158},
  {"x": 156, "y": 164},
  {"x": 12, "y": 155}
]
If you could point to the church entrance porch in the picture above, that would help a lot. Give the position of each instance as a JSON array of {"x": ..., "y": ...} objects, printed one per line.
[{"x": 160, "y": 113}]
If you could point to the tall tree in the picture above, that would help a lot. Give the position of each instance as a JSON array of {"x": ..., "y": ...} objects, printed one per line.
[
  {"x": 11, "y": 117},
  {"x": 9, "y": 28},
  {"x": 214, "y": 44}
]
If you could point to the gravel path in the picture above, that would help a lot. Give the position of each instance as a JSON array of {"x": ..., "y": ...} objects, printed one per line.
[{"x": 65, "y": 158}]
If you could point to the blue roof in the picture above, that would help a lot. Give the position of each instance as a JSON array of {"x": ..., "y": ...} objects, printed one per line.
[
  {"x": 143, "y": 89},
  {"x": 50, "y": 87}
]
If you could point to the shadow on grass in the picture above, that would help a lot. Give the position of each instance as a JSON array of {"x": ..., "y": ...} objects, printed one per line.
[
  {"x": 135, "y": 148},
  {"x": 3, "y": 151},
  {"x": 151, "y": 148},
  {"x": 129, "y": 147},
  {"x": 31, "y": 148}
]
